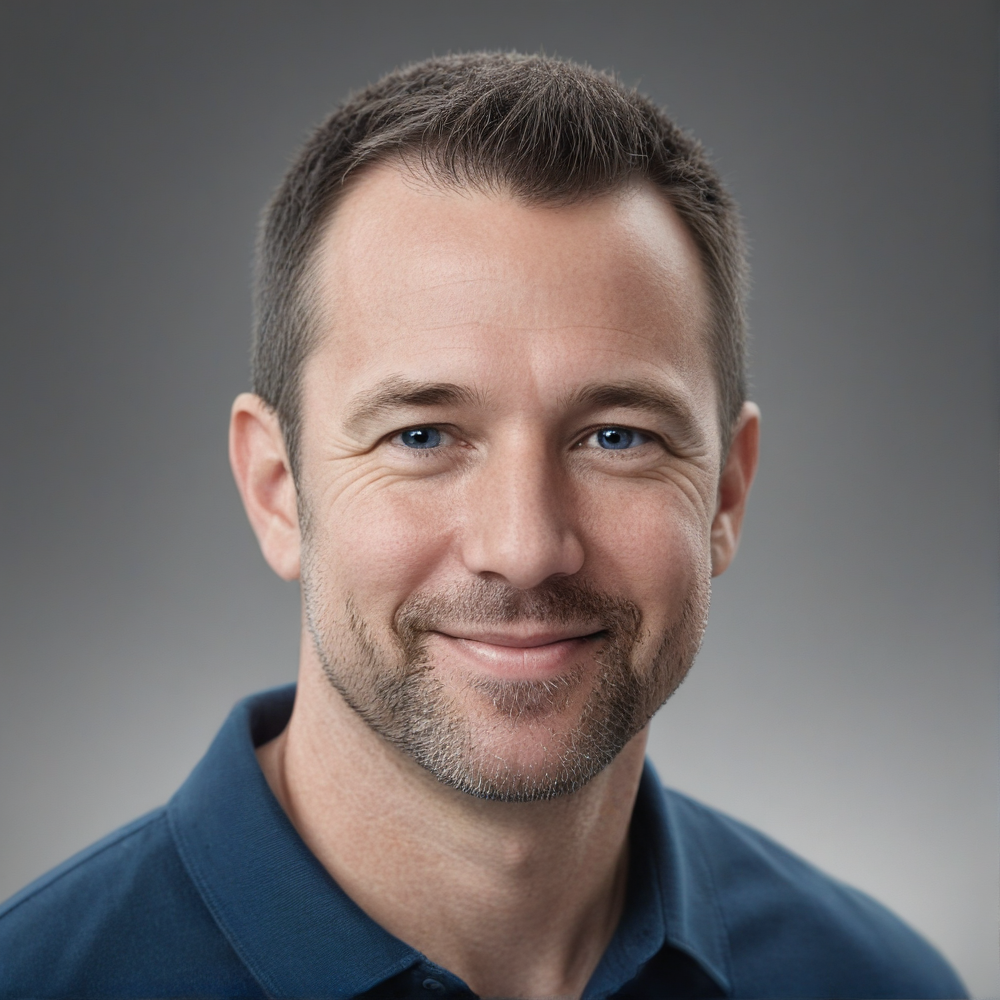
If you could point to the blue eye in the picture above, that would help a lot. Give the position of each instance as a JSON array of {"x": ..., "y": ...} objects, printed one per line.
[
  {"x": 619, "y": 438},
  {"x": 421, "y": 437}
]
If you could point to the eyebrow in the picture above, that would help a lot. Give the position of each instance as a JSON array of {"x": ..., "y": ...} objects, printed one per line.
[
  {"x": 648, "y": 396},
  {"x": 397, "y": 393}
]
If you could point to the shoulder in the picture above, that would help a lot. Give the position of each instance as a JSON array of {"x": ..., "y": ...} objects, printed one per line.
[
  {"x": 782, "y": 913},
  {"x": 122, "y": 918}
]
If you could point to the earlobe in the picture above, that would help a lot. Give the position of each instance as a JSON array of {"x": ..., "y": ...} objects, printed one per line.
[
  {"x": 734, "y": 487},
  {"x": 264, "y": 478}
]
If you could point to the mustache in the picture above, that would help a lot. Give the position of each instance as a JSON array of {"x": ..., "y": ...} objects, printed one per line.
[{"x": 485, "y": 602}]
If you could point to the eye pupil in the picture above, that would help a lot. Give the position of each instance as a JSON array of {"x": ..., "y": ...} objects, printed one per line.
[
  {"x": 614, "y": 437},
  {"x": 421, "y": 437}
]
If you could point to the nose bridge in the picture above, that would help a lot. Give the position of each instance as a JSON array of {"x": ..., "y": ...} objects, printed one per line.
[{"x": 520, "y": 522}]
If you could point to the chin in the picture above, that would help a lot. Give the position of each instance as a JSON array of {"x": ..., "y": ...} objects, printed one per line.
[{"x": 526, "y": 748}]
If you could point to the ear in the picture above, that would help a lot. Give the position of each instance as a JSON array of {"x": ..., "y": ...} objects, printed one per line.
[
  {"x": 264, "y": 478},
  {"x": 734, "y": 487}
]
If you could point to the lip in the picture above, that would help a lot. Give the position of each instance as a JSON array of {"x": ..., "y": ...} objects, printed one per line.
[
  {"x": 518, "y": 655},
  {"x": 523, "y": 639}
]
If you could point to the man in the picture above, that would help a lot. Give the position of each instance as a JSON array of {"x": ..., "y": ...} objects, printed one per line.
[{"x": 499, "y": 432}]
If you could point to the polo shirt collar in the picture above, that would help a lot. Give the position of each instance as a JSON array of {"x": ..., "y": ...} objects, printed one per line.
[
  {"x": 294, "y": 928},
  {"x": 299, "y": 934},
  {"x": 692, "y": 913},
  {"x": 670, "y": 900}
]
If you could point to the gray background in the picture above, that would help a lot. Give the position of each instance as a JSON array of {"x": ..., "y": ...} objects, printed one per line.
[{"x": 845, "y": 701}]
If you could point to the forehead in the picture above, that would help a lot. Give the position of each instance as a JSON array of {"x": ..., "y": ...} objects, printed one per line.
[{"x": 409, "y": 275}]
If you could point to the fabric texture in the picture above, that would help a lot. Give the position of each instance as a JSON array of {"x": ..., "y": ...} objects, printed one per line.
[{"x": 215, "y": 895}]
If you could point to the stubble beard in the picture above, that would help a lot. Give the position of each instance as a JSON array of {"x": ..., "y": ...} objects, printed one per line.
[{"x": 392, "y": 684}]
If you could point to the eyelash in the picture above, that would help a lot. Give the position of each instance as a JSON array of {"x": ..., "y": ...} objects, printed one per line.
[
  {"x": 649, "y": 437},
  {"x": 631, "y": 431},
  {"x": 433, "y": 429}
]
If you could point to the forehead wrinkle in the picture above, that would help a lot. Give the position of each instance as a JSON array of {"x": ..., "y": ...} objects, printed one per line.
[{"x": 396, "y": 392}]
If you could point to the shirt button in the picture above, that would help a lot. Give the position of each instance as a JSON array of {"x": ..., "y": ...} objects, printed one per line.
[{"x": 432, "y": 984}]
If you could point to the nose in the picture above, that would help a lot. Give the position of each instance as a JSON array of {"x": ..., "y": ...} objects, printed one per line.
[{"x": 519, "y": 523}]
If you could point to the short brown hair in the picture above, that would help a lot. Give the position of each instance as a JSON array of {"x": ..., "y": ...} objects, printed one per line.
[{"x": 541, "y": 129}]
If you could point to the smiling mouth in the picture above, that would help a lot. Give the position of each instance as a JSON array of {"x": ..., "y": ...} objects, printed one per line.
[
  {"x": 534, "y": 640},
  {"x": 515, "y": 657}
]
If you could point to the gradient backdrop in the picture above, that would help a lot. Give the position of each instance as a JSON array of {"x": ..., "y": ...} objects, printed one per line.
[{"x": 846, "y": 698}]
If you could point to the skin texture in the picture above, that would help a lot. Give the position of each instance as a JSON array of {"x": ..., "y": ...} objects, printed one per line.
[{"x": 528, "y": 314}]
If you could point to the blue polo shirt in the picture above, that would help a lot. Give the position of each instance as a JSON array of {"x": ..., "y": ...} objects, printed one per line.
[{"x": 215, "y": 895}]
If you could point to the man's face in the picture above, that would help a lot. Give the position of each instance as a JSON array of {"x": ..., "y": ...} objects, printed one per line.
[{"x": 509, "y": 466}]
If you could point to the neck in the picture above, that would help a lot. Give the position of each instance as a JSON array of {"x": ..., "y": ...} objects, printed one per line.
[{"x": 518, "y": 899}]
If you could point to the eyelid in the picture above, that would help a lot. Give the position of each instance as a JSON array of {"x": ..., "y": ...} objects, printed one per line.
[
  {"x": 447, "y": 434},
  {"x": 651, "y": 436}
]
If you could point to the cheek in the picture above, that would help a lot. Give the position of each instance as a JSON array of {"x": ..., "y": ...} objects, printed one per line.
[
  {"x": 652, "y": 548},
  {"x": 381, "y": 543}
]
